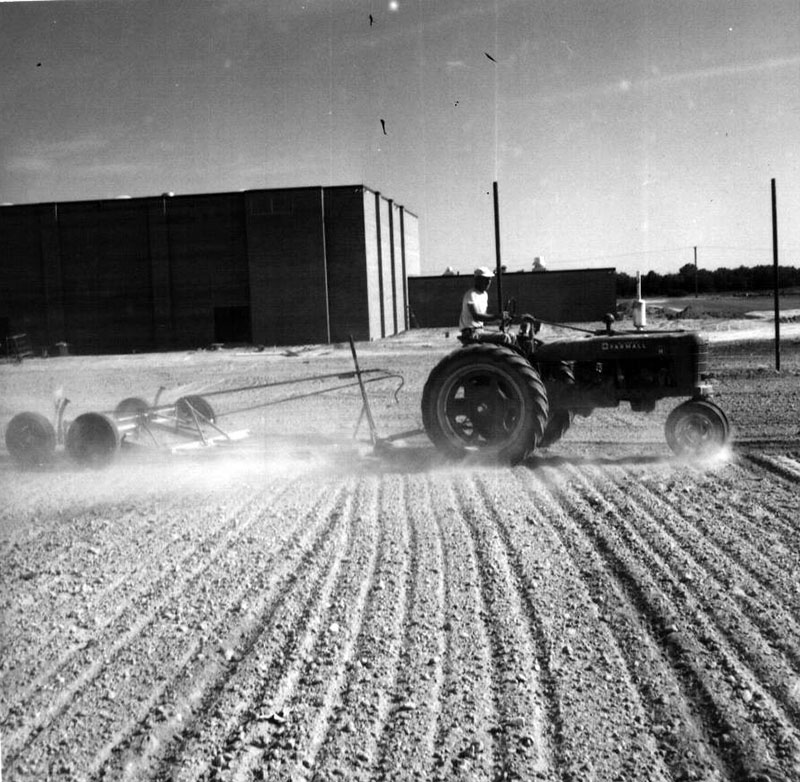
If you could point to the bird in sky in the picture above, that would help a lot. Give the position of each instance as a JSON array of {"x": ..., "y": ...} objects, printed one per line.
[{"x": 490, "y": 57}]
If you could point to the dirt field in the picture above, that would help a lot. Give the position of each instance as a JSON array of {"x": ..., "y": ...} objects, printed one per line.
[{"x": 301, "y": 609}]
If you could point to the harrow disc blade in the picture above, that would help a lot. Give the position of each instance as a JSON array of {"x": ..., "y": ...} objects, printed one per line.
[{"x": 93, "y": 440}]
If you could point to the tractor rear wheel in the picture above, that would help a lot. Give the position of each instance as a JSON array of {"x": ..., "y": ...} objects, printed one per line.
[
  {"x": 93, "y": 440},
  {"x": 487, "y": 400},
  {"x": 697, "y": 428},
  {"x": 30, "y": 439}
]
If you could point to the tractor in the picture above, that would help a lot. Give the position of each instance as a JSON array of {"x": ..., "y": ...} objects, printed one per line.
[{"x": 504, "y": 402}]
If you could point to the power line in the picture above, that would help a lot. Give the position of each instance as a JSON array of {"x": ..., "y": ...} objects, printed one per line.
[{"x": 673, "y": 250}]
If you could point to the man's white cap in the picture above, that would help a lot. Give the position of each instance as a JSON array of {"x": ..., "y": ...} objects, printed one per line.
[{"x": 484, "y": 271}]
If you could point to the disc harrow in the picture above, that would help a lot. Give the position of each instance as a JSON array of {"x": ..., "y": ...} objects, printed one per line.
[{"x": 93, "y": 439}]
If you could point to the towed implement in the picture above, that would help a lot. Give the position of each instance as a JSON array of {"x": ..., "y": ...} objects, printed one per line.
[{"x": 93, "y": 439}]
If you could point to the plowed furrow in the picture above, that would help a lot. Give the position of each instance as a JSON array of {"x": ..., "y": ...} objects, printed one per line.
[
  {"x": 216, "y": 703},
  {"x": 391, "y": 556},
  {"x": 83, "y": 609},
  {"x": 464, "y": 742},
  {"x": 764, "y": 493},
  {"x": 741, "y": 488},
  {"x": 520, "y": 680},
  {"x": 137, "y": 660},
  {"x": 726, "y": 549},
  {"x": 744, "y": 636},
  {"x": 349, "y": 745},
  {"x": 662, "y": 599},
  {"x": 308, "y": 695},
  {"x": 591, "y": 719},
  {"x": 61, "y": 676},
  {"x": 621, "y": 598},
  {"x": 784, "y": 466},
  {"x": 413, "y": 718}
]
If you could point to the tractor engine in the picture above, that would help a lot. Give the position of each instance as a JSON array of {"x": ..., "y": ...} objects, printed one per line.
[{"x": 635, "y": 368}]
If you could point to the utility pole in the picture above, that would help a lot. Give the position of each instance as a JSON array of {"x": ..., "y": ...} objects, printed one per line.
[
  {"x": 695, "y": 271},
  {"x": 498, "y": 273},
  {"x": 775, "y": 278}
]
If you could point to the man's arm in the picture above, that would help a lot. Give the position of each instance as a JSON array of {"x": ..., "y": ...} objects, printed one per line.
[{"x": 483, "y": 317}]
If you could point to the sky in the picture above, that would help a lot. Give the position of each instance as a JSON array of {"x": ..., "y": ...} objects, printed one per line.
[{"x": 621, "y": 133}]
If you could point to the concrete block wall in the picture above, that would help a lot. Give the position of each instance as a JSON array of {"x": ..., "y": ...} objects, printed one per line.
[
  {"x": 26, "y": 257},
  {"x": 207, "y": 261},
  {"x": 311, "y": 264},
  {"x": 105, "y": 273},
  {"x": 285, "y": 240},
  {"x": 576, "y": 296},
  {"x": 346, "y": 249}
]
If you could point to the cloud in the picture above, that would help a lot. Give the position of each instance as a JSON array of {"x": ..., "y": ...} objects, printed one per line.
[
  {"x": 62, "y": 149},
  {"x": 28, "y": 164},
  {"x": 82, "y": 155},
  {"x": 657, "y": 79},
  {"x": 737, "y": 69}
]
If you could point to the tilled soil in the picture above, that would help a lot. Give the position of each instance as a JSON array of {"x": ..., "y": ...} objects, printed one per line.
[{"x": 303, "y": 609}]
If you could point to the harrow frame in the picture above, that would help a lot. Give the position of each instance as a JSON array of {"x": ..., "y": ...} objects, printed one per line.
[{"x": 93, "y": 439}]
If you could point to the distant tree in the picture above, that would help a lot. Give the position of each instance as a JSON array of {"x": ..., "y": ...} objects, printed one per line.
[
  {"x": 626, "y": 285},
  {"x": 722, "y": 280}
]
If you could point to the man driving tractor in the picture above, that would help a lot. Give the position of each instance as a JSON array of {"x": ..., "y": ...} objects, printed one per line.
[{"x": 475, "y": 312}]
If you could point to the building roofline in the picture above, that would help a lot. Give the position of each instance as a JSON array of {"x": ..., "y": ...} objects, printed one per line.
[
  {"x": 468, "y": 275},
  {"x": 177, "y": 196}
]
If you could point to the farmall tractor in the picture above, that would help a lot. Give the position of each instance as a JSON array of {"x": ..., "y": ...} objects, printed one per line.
[{"x": 504, "y": 402}]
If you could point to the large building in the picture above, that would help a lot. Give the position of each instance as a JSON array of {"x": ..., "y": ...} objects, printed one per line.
[{"x": 271, "y": 267}]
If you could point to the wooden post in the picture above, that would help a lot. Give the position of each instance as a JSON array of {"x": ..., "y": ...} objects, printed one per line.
[
  {"x": 775, "y": 279},
  {"x": 498, "y": 264}
]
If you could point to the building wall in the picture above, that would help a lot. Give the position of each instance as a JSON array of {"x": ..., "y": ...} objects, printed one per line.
[
  {"x": 411, "y": 241},
  {"x": 286, "y": 255},
  {"x": 386, "y": 267},
  {"x": 207, "y": 261},
  {"x": 398, "y": 286},
  {"x": 384, "y": 264},
  {"x": 347, "y": 251},
  {"x": 409, "y": 238},
  {"x": 283, "y": 267},
  {"x": 373, "y": 263},
  {"x": 105, "y": 275},
  {"x": 24, "y": 237},
  {"x": 577, "y": 296}
]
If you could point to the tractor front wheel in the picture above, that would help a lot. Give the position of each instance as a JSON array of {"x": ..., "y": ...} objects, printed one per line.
[
  {"x": 697, "y": 428},
  {"x": 486, "y": 400}
]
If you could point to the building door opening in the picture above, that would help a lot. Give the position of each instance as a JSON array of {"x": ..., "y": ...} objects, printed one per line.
[{"x": 232, "y": 324}]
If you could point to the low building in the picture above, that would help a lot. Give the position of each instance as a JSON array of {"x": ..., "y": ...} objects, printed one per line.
[{"x": 575, "y": 296}]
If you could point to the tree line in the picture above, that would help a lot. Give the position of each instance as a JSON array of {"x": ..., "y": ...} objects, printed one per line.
[{"x": 723, "y": 280}]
